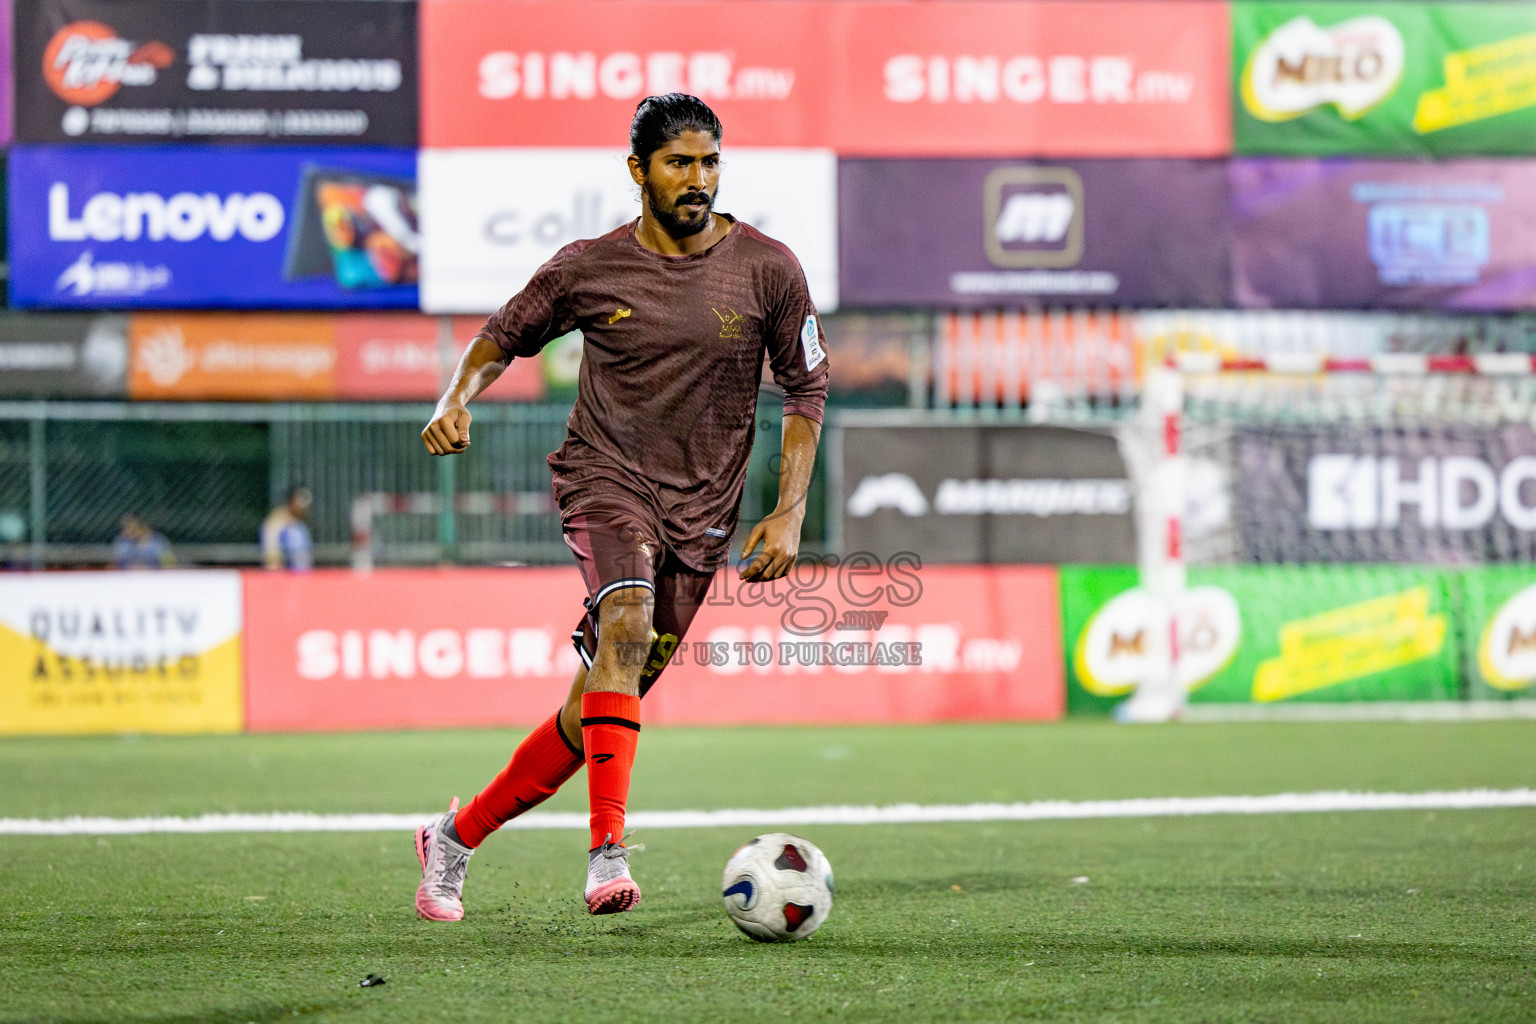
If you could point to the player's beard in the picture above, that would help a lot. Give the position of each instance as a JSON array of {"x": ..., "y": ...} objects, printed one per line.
[{"x": 675, "y": 222}]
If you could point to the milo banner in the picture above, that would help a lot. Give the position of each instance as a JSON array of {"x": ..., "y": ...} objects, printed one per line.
[
  {"x": 1419, "y": 78},
  {"x": 1264, "y": 634},
  {"x": 1384, "y": 234},
  {"x": 1499, "y": 603},
  {"x": 110, "y": 652}
]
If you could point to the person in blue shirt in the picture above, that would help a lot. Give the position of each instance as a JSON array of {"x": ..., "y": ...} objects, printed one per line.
[
  {"x": 139, "y": 547},
  {"x": 285, "y": 539}
]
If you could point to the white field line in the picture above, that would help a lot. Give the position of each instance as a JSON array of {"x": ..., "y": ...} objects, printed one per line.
[{"x": 896, "y": 814}]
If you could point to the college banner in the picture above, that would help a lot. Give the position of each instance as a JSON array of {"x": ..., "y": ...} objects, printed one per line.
[
  {"x": 1499, "y": 603},
  {"x": 1459, "y": 235},
  {"x": 969, "y": 493},
  {"x": 68, "y": 355},
  {"x": 980, "y": 234},
  {"x": 1449, "y": 494},
  {"x": 210, "y": 226},
  {"x": 862, "y": 641},
  {"x": 494, "y": 216},
  {"x": 301, "y": 71},
  {"x": 105, "y": 652},
  {"x": 1262, "y": 634},
  {"x": 1094, "y": 78},
  {"x": 1415, "y": 78}
]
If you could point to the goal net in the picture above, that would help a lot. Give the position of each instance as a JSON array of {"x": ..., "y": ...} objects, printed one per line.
[{"x": 1304, "y": 460}]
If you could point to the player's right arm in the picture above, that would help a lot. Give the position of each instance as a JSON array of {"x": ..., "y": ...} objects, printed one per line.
[
  {"x": 530, "y": 320},
  {"x": 481, "y": 363}
]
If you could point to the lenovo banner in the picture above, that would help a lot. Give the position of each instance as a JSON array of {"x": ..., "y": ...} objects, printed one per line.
[
  {"x": 493, "y": 217},
  {"x": 212, "y": 227},
  {"x": 1456, "y": 495},
  {"x": 979, "y": 234},
  {"x": 1330, "y": 233},
  {"x": 301, "y": 71},
  {"x": 1096, "y": 78},
  {"x": 871, "y": 642},
  {"x": 965, "y": 493},
  {"x": 63, "y": 355},
  {"x": 1416, "y": 78},
  {"x": 1266, "y": 633}
]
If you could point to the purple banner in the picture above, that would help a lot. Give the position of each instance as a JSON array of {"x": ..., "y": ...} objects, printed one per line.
[
  {"x": 1384, "y": 234},
  {"x": 984, "y": 234},
  {"x": 7, "y": 62}
]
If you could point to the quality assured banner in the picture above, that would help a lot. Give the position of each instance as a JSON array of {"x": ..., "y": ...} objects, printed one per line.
[
  {"x": 1263, "y": 634},
  {"x": 980, "y": 234},
  {"x": 212, "y": 227},
  {"x": 301, "y": 71},
  {"x": 105, "y": 652},
  {"x": 868, "y": 642},
  {"x": 1094, "y": 78},
  {"x": 1417, "y": 78},
  {"x": 1458, "y": 235},
  {"x": 492, "y": 217}
]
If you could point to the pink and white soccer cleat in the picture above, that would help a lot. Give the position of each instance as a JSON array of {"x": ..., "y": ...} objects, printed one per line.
[
  {"x": 443, "y": 863},
  {"x": 610, "y": 890}
]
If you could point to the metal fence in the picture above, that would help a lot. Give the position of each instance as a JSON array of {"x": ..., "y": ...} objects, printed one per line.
[{"x": 206, "y": 474}]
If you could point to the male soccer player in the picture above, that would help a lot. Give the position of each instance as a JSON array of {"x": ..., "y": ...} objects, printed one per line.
[{"x": 676, "y": 309}]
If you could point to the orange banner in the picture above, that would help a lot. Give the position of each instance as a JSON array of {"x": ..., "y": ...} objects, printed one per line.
[
  {"x": 976, "y": 78},
  {"x": 228, "y": 356},
  {"x": 423, "y": 648}
]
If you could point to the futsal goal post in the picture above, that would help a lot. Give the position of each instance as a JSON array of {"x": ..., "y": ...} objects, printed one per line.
[{"x": 1300, "y": 458}]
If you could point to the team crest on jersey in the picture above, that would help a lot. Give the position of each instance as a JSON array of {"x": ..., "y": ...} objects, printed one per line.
[
  {"x": 810, "y": 341},
  {"x": 619, "y": 314},
  {"x": 732, "y": 324}
]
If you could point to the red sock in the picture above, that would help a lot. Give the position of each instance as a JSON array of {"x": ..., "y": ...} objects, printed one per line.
[
  {"x": 610, "y": 730},
  {"x": 540, "y": 764}
]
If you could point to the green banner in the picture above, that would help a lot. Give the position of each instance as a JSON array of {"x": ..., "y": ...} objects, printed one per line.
[
  {"x": 1263, "y": 634},
  {"x": 1415, "y": 78},
  {"x": 1499, "y": 604}
]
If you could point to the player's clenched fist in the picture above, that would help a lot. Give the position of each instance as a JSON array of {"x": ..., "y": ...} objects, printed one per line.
[{"x": 448, "y": 433}]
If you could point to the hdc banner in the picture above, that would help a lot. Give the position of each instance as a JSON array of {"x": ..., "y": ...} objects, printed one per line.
[
  {"x": 1458, "y": 235},
  {"x": 980, "y": 234},
  {"x": 212, "y": 226},
  {"x": 120, "y": 652},
  {"x": 967, "y": 78},
  {"x": 303, "y": 71},
  {"x": 1420, "y": 78}
]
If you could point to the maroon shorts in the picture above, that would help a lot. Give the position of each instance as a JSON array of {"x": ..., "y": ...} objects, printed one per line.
[{"x": 618, "y": 543}]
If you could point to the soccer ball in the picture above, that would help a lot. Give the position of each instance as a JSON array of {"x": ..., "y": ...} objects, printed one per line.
[{"x": 777, "y": 888}]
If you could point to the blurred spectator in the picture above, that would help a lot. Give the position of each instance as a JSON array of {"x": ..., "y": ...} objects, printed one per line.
[
  {"x": 285, "y": 539},
  {"x": 139, "y": 547}
]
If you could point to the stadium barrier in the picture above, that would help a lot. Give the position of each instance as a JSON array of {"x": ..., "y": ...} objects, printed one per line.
[{"x": 222, "y": 651}]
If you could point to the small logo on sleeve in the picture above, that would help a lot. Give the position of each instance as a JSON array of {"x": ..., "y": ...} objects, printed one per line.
[
  {"x": 619, "y": 314},
  {"x": 810, "y": 341}
]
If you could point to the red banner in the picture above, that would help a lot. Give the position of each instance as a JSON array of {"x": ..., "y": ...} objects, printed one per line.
[
  {"x": 977, "y": 78},
  {"x": 422, "y": 648},
  {"x": 390, "y": 357}
]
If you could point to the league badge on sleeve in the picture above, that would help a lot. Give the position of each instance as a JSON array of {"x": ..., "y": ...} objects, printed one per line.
[{"x": 811, "y": 342}]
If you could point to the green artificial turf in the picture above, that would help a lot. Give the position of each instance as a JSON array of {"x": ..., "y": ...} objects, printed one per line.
[{"x": 1376, "y": 916}]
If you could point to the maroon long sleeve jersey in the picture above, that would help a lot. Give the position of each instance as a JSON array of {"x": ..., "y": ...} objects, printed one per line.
[{"x": 673, "y": 356}]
